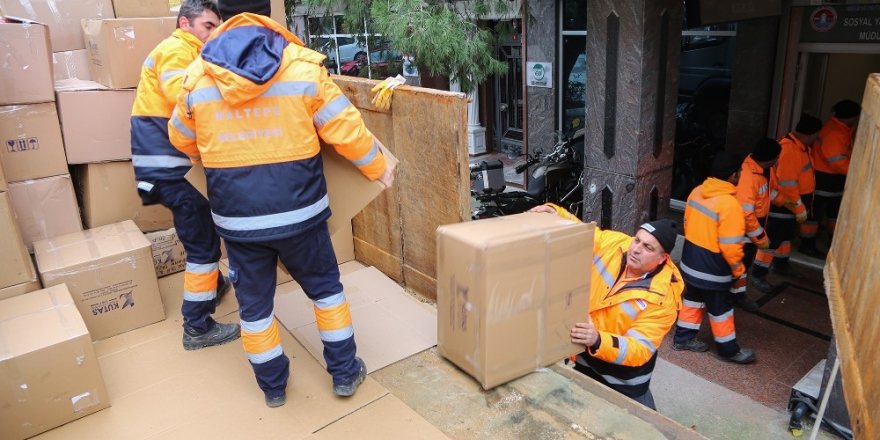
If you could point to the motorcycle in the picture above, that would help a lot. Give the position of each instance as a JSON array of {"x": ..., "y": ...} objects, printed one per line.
[{"x": 555, "y": 177}]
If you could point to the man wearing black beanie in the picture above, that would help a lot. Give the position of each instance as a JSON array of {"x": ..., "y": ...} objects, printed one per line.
[
  {"x": 794, "y": 181},
  {"x": 753, "y": 194},
  {"x": 635, "y": 295},
  {"x": 711, "y": 262},
  {"x": 231, "y": 8},
  {"x": 831, "y": 162}
]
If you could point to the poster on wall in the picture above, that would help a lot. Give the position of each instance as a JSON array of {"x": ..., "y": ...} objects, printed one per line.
[{"x": 539, "y": 74}]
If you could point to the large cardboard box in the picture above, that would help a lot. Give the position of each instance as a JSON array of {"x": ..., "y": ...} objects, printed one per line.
[
  {"x": 71, "y": 64},
  {"x": 15, "y": 263},
  {"x": 20, "y": 289},
  {"x": 80, "y": 105},
  {"x": 26, "y": 67},
  {"x": 115, "y": 44},
  {"x": 169, "y": 256},
  {"x": 109, "y": 195},
  {"x": 45, "y": 208},
  {"x": 509, "y": 289},
  {"x": 141, "y": 8},
  {"x": 49, "y": 373},
  {"x": 62, "y": 16},
  {"x": 109, "y": 271},
  {"x": 2, "y": 180},
  {"x": 32, "y": 142}
]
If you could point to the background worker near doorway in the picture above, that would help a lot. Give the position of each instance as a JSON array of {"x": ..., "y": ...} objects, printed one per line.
[
  {"x": 635, "y": 295},
  {"x": 254, "y": 106},
  {"x": 830, "y": 157},
  {"x": 753, "y": 194},
  {"x": 793, "y": 179},
  {"x": 711, "y": 261},
  {"x": 160, "y": 169}
]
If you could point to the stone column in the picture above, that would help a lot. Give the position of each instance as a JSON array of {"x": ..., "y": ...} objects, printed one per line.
[
  {"x": 540, "y": 41},
  {"x": 633, "y": 50},
  {"x": 476, "y": 132}
]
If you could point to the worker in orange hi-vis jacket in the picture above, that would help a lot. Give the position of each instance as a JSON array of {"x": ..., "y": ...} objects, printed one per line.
[
  {"x": 254, "y": 107},
  {"x": 711, "y": 262},
  {"x": 753, "y": 193},
  {"x": 831, "y": 155},
  {"x": 793, "y": 179}
]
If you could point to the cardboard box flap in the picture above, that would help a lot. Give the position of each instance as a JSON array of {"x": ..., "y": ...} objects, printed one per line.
[
  {"x": 342, "y": 177},
  {"x": 68, "y": 251},
  {"x": 33, "y": 321},
  {"x": 76, "y": 84},
  {"x": 498, "y": 230}
]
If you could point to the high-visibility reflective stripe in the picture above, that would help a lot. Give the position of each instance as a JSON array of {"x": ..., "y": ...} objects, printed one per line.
[
  {"x": 290, "y": 88},
  {"x": 603, "y": 271},
  {"x": 201, "y": 96},
  {"x": 336, "y": 335},
  {"x": 704, "y": 276},
  {"x": 621, "y": 352},
  {"x": 330, "y": 111},
  {"x": 629, "y": 310},
  {"x": 722, "y": 317},
  {"x": 266, "y": 356},
  {"x": 788, "y": 183},
  {"x": 374, "y": 151},
  {"x": 330, "y": 301},
  {"x": 258, "y": 326},
  {"x": 333, "y": 318},
  {"x": 773, "y": 194},
  {"x": 738, "y": 289},
  {"x": 200, "y": 282},
  {"x": 159, "y": 161},
  {"x": 199, "y": 296},
  {"x": 748, "y": 207},
  {"x": 724, "y": 339},
  {"x": 837, "y": 158},
  {"x": 693, "y": 304},
  {"x": 690, "y": 325},
  {"x": 257, "y": 222},
  {"x": 146, "y": 186},
  {"x": 638, "y": 380},
  {"x": 807, "y": 167},
  {"x": 202, "y": 268},
  {"x": 261, "y": 342},
  {"x": 149, "y": 63},
  {"x": 763, "y": 189},
  {"x": 642, "y": 339},
  {"x": 730, "y": 240},
  {"x": 780, "y": 215},
  {"x": 183, "y": 129},
  {"x": 756, "y": 232},
  {"x": 167, "y": 75},
  {"x": 828, "y": 193},
  {"x": 703, "y": 209}
]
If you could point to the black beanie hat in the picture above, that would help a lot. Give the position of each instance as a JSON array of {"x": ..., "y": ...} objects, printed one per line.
[
  {"x": 766, "y": 150},
  {"x": 725, "y": 164},
  {"x": 229, "y": 8},
  {"x": 808, "y": 125},
  {"x": 846, "y": 109},
  {"x": 665, "y": 231}
]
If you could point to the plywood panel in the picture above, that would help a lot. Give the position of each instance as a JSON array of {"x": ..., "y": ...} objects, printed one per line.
[{"x": 851, "y": 281}]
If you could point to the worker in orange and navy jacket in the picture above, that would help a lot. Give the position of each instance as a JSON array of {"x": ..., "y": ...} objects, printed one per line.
[
  {"x": 160, "y": 169},
  {"x": 635, "y": 295},
  {"x": 793, "y": 179},
  {"x": 253, "y": 108},
  {"x": 830, "y": 157},
  {"x": 711, "y": 261},
  {"x": 753, "y": 194}
]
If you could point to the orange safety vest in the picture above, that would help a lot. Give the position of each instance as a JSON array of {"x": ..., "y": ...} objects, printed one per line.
[{"x": 831, "y": 153}]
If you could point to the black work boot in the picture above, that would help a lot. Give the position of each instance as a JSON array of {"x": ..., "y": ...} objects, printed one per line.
[
  {"x": 743, "y": 356},
  {"x": 219, "y": 334},
  {"x": 694, "y": 344},
  {"x": 348, "y": 389},
  {"x": 761, "y": 284}
]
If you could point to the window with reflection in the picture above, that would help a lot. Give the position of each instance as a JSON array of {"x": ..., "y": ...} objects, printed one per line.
[
  {"x": 573, "y": 66},
  {"x": 353, "y": 51}
]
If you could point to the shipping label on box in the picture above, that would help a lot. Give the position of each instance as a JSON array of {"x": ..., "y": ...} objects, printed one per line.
[
  {"x": 108, "y": 192},
  {"x": 509, "y": 289},
  {"x": 32, "y": 145},
  {"x": 169, "y": 256},
  {"x": 114, "y": 44},
  {"x": 109, "y": 271},
  {"x": 62, "y": 16},
  {"x": 80, "y": 104},
  {"x": 71, "y": 64},
  {"x": 15, "y": 262},
  {"x": 26, "y": 67},
  {"x": 49, "y": 373},
  {"x": 45, "y": 208},
  {"x": 141, "y": 8}
]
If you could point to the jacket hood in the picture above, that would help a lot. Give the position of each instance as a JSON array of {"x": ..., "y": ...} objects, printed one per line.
[
  {"x": 246, "y": 52},
  {"x": 713, "y": 187}
]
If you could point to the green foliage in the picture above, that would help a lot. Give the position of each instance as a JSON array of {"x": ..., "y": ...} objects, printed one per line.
[{"x": 443, "y": 36}]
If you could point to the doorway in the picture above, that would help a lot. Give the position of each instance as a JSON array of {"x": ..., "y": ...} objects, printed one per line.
[
  {"x": 837, "y": 72},
  {"x": 509, "y": 96}
]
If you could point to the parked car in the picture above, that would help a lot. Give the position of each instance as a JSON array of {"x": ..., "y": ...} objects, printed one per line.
[{"x": 382, "y": 63}]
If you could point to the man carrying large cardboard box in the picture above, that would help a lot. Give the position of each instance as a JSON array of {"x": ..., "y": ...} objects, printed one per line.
[{"x": 160, "y": 169}]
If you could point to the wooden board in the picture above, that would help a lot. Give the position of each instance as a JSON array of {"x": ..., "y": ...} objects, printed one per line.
[
  {"x": 851, "y": 281},
  {"x": 427, "y": 130}
]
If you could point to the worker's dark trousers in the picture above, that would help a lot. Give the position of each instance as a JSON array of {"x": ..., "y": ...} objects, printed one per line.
[
  {"x": 310, "y": 259},
  {"x": 195, "y": 229},
  {"x": 829, "y": 194},
  {"x": 714, "y": 302},
  {"x": 781, "y": 228}
]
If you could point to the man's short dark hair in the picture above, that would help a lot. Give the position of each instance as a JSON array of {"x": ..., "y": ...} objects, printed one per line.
[{"x": 194, "y": 8}]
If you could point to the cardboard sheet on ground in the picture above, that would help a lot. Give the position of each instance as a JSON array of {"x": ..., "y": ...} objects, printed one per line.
[
  {"x": 350, "y": 192},
  {"x": 389, "y": 324},
  {"x": 387, "y": 418}
]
